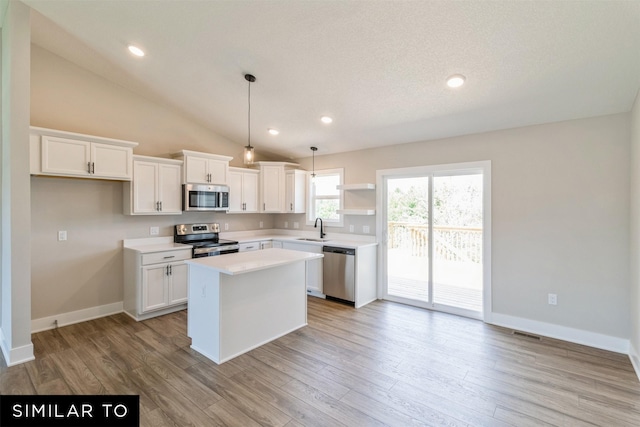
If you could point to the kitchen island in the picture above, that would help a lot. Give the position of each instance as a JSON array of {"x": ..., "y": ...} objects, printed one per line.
[{"x": 240, "y": 301}]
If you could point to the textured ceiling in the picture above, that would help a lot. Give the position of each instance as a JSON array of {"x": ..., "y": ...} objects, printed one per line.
[{"x": 377, "y": 67}]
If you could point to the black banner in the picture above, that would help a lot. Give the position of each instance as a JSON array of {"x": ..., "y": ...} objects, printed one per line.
[{"x": 70, "y": 411}]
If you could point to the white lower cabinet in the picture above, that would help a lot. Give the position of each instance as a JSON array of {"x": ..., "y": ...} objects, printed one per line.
[
  {"x": 314, "y": 267},
  {"x": 163, "y": 285},
  {"x": 255, "y": 246},
  {"x": 266, "y": 244},
  {"x": 155, "y": 283},
  {"x": 249, "y": 246}
]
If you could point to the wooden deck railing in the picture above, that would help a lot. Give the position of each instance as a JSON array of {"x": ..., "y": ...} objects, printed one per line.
[{"x": 451, "y": 243}]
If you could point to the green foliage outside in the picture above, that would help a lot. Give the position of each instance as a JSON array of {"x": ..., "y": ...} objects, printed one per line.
[{"x": 457, "y": 201}]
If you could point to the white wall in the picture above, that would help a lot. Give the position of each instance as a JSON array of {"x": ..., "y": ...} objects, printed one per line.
[
  {"x": 560, "y": 203},
  {"x": 635, "y": 235},
  {"x": 15, "y": 331}
]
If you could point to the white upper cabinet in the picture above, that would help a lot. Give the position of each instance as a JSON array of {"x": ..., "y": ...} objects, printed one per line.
[
  {"x": 204, "y": 168},
  {"x": 70, "y": 154},
  {"x": 243, "y": 190},
  {"x": 156, "y": 188},
  {"x": 273, "y": 186},
  {"x": 295, "y": 190}
]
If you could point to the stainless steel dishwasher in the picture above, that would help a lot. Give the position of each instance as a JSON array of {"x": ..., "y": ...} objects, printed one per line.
[{"x": 339, "y": 273}]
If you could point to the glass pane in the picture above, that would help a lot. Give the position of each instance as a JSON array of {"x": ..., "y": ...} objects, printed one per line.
[
  {"x": 326, "y": 209},
  {"x": 457, "y": 236},
  {"x": 408, "y": 243},
  {"x": 326, "y": 185}
]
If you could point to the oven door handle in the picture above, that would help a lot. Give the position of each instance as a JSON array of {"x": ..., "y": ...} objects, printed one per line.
[{"x": 225, "y": 248}]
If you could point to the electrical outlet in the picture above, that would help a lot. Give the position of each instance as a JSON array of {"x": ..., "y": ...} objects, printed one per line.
[
  {"x": 286, "y": 224},
  {"x": 226, "y": 226},
  {"x": 351, "y": 228},
  {"x": 296, "y": 225},
  {"x": 553, "y": 299},
  {"x": 154, "y": 231},
  {"x": 261, "y": 224},
  {"x": 365, "y": 229},
  {"x": 62, "y": 235}
]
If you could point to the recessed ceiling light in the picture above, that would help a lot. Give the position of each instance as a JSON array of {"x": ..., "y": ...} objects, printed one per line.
[
  {"x": 136, "y": 50},
  {"x": 326, "y": 119},
  {"x": 456, "y": 80},
  {"x": 273, "y": 131}
]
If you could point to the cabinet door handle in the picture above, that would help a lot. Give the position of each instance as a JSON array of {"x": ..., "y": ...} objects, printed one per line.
[
  {"x": 93, "y": 167},
  {"x": 88, "y": 167},
  {"x": 264, "y": 206},
  {"x": 292, "y": 206},
  {"x": 169, "y": 257},
  {"x": 160, "y": 206},
  {"x": 170, "y": 270},
  {"x": 166, "y": 270}
]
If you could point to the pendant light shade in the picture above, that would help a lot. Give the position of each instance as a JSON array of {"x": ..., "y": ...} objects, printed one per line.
[
  {"x": 313, "y": 161},
  {"x": 248, "y": 149}
]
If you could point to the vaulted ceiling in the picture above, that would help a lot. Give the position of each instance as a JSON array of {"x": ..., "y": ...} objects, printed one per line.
[{"x": 378, "y": 68}]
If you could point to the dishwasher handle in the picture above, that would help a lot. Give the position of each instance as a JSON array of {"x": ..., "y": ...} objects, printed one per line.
[{"x": 336, "y": 250}]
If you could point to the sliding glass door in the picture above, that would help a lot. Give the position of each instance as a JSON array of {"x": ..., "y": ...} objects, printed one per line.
[{"x": 433, "y": 225}]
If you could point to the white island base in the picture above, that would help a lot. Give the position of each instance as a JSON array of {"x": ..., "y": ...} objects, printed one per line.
[{"x": 238, "y": 302}]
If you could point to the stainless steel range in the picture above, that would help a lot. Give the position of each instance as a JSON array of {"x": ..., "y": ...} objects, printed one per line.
[{"x": 205, "y": 240}]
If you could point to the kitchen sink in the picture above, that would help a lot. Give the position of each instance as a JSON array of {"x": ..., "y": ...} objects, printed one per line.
[{"x": 309, "y": 239}]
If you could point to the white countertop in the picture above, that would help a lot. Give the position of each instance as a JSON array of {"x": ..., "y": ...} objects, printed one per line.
[
  {"x": 245, "y": 262},
  {"x": 342, "y": 243},
  {"x": 153, "y": 244}
]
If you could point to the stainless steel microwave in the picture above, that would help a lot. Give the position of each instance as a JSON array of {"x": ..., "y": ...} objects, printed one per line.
[{"x": 205, "y": 197}]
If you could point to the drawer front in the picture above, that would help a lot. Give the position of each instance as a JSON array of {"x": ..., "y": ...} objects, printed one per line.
[{"x": 168, "y": 256}]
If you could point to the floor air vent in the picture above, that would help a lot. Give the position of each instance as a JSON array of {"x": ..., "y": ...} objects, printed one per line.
[{"x": 526, "y": 335}]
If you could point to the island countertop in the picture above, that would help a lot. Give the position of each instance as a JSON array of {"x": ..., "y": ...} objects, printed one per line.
[{"x": 245, "y": 262}]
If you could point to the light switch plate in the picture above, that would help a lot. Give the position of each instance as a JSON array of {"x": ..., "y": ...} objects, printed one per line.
[
  {"x": 62, "y": 235},
  {"x": 296, "y": 225},
  {"x": 154, "y": 231},
  {"x": 365, "y": 229}
]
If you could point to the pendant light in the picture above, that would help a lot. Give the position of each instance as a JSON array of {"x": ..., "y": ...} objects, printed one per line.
[
  {"x": 248, "y": 149},
  {"x": 313, "y": 161}
]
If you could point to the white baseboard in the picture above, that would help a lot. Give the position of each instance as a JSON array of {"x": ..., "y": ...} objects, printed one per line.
[
  {"x": 578, "y": 336},
  {"x": 64, "y": 319},
  {"x": 15, "y": 356}
]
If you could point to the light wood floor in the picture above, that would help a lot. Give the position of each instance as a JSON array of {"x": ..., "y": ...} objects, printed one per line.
[{"x": 383, "y": 364}]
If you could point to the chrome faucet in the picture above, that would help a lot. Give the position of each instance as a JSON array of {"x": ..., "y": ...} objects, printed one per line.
[{"x": 322, "y": 233}]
